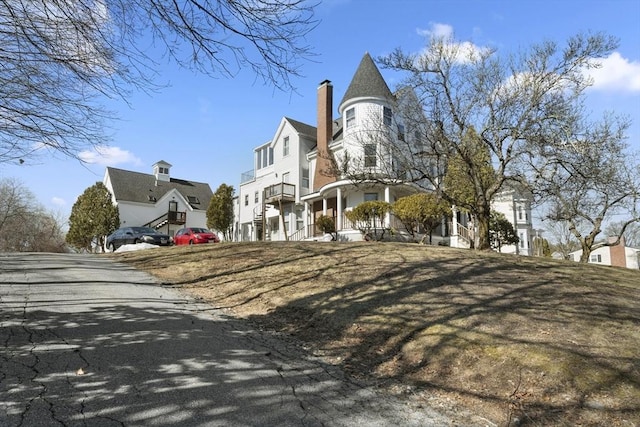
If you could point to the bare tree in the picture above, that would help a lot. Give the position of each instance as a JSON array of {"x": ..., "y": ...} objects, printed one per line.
[
  {"x": 631, "y": 233},
  {"x": 14, "y": 204},
  {"x": 508, "y": 100},
  {"x": 563, "y": 241},
  {"x": 24, "y": 225},
  {"x": 586, "y": 176},
  {"x": 60, "y": 58}
]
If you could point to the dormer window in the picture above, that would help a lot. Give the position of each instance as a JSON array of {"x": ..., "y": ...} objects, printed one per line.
[
  {"x": 193, "y": 200},
  {"x": 264, "y": 157}
]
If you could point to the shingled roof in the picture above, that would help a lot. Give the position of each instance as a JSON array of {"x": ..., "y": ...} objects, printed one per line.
[
  {"x": 143, "y": 188},
  {"x": 367, "y": 82},
  {"x": 303, "y": 128}
]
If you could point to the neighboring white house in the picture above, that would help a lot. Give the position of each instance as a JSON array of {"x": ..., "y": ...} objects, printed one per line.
[
  {"x": 297, "y": 176},
  {"x": 619, "y": 255},
  {"x": 157, "y": 200},
  {"x": 516, "y": 207}
]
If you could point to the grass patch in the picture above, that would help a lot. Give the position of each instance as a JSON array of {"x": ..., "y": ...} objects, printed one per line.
[{"x": 547, "y": 342}]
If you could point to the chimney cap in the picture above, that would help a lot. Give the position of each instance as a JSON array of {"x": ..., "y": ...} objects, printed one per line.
[{"x": 325, "y": 82}]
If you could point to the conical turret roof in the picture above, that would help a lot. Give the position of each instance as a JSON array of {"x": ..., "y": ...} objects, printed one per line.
[{"x": 367, "y": 82}]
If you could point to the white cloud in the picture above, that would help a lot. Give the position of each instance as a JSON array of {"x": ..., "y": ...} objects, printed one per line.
[
  {"x": 437, "y": 30},
  {"x": 616, "y": 74},
  {"x": 463, "y": 51},
  {"x": 108, "y": 156},
  {"x": 58, "y": 201}
]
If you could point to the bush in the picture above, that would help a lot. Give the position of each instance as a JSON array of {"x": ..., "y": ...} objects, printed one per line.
[{"x": 368, "y": 218}]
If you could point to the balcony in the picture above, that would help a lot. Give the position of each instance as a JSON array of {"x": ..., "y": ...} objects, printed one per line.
[
  {"x": 171, "y": 217},
  {"x": 247, "y": 176},
  {"x": 281, "y": 192}
]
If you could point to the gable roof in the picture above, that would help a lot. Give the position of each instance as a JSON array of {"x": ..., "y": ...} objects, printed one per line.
[
  {"x": 367, "y": 82},
  {"x": 143, "y": 188},
  {"x": 303, "y": 128}
]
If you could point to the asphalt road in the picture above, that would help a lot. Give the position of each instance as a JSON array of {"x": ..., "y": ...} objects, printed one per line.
[{"x": 88, "y": 342}]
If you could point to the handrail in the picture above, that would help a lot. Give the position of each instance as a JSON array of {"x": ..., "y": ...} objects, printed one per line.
[
  {"x": 464, "y": 232},
  {"x": 178, "y": 217},
  {"x": 161, "y": 217},
  {"x": 299, "y": 234},
  {"x": 282, "y": 189}
]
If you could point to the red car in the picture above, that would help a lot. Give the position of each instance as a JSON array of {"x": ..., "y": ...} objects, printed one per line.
[{"x": 194, "y": 235}]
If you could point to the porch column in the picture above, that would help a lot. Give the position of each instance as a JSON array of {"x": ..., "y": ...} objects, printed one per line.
[
  {"x": 454, "y": 221},
  {"x": 339, "y": 209},
  {"x": 387, "y": 198},
  {"x": 324, "y": 206},
  {"x": 453, "y": 233}
]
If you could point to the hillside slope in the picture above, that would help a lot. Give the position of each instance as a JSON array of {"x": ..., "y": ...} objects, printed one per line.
[{"x": 521, "y": 340}]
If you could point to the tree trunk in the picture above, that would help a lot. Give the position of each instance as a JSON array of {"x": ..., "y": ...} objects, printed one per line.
[
  {"x": 483, "y": 233},
  {"x": 586, "y": 251},
  {"x": 482, "y": 219}
]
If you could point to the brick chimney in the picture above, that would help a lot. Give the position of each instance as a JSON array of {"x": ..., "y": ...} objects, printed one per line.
[
  {"x": 324, "y": 174},
  {"x": 617, "y": 252}
]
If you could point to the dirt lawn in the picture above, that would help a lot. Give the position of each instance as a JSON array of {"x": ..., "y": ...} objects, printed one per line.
[{"x": 520, "y": 340}]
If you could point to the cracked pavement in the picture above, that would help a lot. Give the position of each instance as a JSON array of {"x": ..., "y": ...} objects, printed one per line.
[{"x": 90, "y": 342}]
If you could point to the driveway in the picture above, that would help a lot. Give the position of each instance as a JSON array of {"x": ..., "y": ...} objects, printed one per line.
[{"x": 86, "y": 341}]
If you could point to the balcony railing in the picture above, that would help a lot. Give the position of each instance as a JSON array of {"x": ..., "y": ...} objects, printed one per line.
[
  {"x": 281, "y": 191},
  {"x": 247, "y": 176}
]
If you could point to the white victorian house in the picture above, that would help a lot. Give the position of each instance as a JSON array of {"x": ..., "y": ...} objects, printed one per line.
[
  {"x": 157, "y": 200},
  {"x": 299, "y": 173}
]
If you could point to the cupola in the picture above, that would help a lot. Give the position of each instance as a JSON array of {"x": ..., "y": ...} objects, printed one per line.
[{"x": 161, "y": 171}]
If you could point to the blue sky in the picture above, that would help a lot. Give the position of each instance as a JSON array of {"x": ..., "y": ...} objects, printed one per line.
[{"x": 206, "y": 128}]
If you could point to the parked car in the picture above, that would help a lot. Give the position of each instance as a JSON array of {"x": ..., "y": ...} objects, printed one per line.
[
  {"x": 127, "y": 235},
  {"x": 195, "y": 235}
]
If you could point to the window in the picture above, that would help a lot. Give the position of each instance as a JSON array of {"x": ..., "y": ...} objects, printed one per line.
[
  {"x": 369, "y": 155},
  {"x": 299, "y": 220},
  {"x": 285, "y": 146},
  {"x": 163, "y": 170},
  {"x": 246, "y": 200},
  {"x": 519, "y": 213},
  {"x": 351, "y": 117},
  {"x": 286, "y": 177},
  {"x": 596, "y": 258},
  {"x": 256, "y": 197},
  {"x": 264, "y": 157},
  {"x": 193, "y": 200},
  {"x": 522, "y": 240},
  {"x": 305, "y": 177},
  {"x": 370, "y": 197},
  {"x": 387, "y": 116},
  {"x": 401, "y": 132}
]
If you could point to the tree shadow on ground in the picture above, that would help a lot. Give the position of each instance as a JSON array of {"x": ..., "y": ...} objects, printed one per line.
[
  {"x": 149, "y": 360},
  {"x": 536, "y": 341}
]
